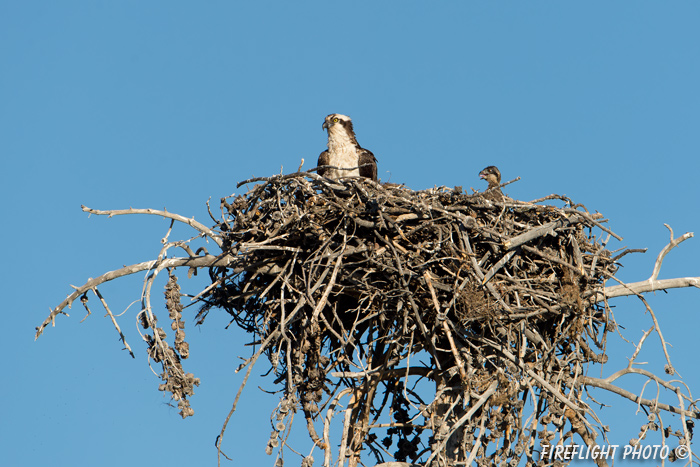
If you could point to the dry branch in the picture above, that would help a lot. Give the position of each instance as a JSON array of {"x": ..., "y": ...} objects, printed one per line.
[
  {"x": 195, "y": 262},
  {"x": 653, "y": 283},
  {"x": 634, "y": 288},
  {"x": 154, "y": 212}
]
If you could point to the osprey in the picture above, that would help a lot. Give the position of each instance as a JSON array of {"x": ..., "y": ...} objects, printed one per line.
[
  {"x": 492, "y": 175},
  {"x": 344, "y": 152}
]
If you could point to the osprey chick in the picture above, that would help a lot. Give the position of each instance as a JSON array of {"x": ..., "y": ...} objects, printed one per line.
[
  {"x": 344, "y": 152},
  {"x": 492, "y": 175}
]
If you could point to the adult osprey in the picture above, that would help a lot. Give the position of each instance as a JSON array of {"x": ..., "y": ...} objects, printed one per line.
[{"x": 344, "y": 151}]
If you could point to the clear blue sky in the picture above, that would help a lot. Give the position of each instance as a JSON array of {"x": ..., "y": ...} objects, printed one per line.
[{"x": 166, "y": 104}]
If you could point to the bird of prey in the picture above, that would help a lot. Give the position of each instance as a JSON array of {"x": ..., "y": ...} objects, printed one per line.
[
  {"x": 344, "y": 152},
  {"x": 492, "y": 175}
]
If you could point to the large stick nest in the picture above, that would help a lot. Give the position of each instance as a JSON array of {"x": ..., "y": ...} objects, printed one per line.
[
  {"x": 386, "y": 253},
  {"x": 336, "y": 277}
]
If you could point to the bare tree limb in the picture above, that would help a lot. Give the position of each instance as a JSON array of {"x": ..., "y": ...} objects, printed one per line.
[
  {"x": 603, "y": 384},
  {"x": 671, "y": 245},
  {"x": 191, "y": 222},
  {"x": 641, "y": 287},
  {"x": 653, "y": 284},
  {"x": 197, "y": 262}
]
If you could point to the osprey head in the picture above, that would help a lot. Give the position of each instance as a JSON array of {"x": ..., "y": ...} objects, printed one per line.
[
  {"x": 336, "y": 121},
  {"x": 491, "y": 174}
]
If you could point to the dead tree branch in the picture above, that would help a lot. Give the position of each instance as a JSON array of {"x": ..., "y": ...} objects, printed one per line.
[
  {"x": 653, "y": 283},
  {"x": 168, "y": 215}
]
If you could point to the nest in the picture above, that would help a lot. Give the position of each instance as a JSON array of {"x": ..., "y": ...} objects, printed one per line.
[
  {"x": 460, "y": 327},
  {"x": 349, "y": 279}
]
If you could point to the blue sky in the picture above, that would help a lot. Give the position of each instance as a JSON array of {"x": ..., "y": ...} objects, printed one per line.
[{"x": 166, "y": 104}]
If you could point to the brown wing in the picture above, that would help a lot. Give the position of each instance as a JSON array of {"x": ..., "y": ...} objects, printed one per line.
[
  {"x": 368, "y": 164},
  {"x": 323, "y": 159},
  {"x": 494, "y": 194}
]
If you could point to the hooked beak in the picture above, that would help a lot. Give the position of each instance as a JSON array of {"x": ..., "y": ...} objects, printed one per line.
[
  {"x": 482, "y": 175},
  {"x": 325, "y": 126}
]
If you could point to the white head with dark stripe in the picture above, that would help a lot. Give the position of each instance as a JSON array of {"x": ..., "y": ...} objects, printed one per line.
[{"x": 339, "y": 129}]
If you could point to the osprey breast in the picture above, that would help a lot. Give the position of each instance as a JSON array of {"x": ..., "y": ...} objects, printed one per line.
[{"x": 344, "y": 156}]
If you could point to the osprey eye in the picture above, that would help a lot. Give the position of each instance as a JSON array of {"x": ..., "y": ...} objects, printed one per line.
[{"x": 335, "y": 120}]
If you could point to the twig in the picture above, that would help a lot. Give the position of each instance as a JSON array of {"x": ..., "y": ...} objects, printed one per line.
[
  {"x": 482, "y": 400},
  {"x": 547, "y": 229},
  {"x": 114, "y": 321},
  {"x": 322, "y": 302},
  {"x": 603, "y": 384},
  {"x": 346, "y": 431},
  {"x": 669, "y": 368},
  {"x": 327, "y": 426},
  {"x": 662, "y": 254},
  {"x": 220, "y": 438},
  {"x": 496, "y": 267},
  {"x": 550, "y": 258},
  {"x": 445, "y": 327}
]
